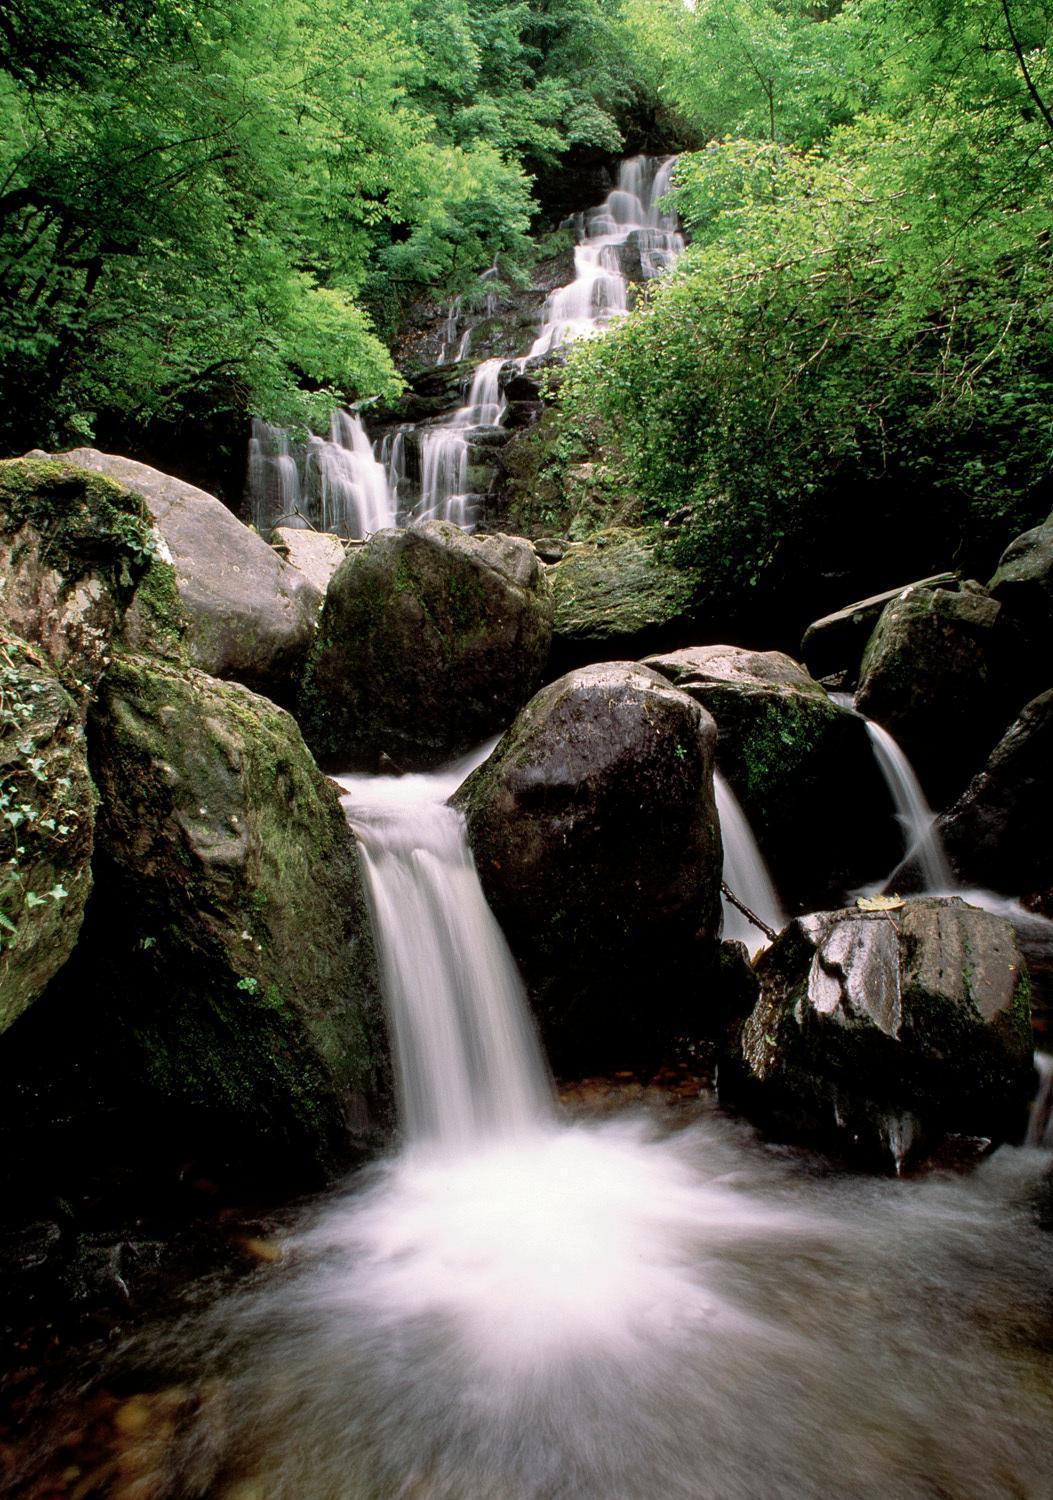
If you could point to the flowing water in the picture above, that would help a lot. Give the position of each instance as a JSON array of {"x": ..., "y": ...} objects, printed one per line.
[
  {"x": 745, "y": 873},
  {"x": 335, "y": 484},
  {"x": 519, "y": 1306}
]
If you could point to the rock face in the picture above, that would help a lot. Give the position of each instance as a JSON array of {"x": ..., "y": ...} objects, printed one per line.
[
  {"x": 999, "y": 833},
  {"x": 251, "y": 616},
  {"x": 225, "y": 976},
  {"x": 47, "y": 814},
  {"x": 73, "y": 548},
  {"x": 796, "y": 762},
  {"x": 317, "y": 554},
  {"x": 879, "y": 1033},
  {"x": 930, "y": 678},
  {"x": 1023, "y": 586},
  {"x": 835, "y": 644},
  {"x": 595, "y": 833},
  {"x": 429, "y": 641},
  {"x": 614, "y": 599}
]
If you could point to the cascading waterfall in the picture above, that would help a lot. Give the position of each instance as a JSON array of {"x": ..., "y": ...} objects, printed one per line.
[
  {"x": 923, "y": 846},
  {"x": 445, "y": 449},
  {"x": 745, "y": 873},
  {"x": 517, "y": 1307},
  {"x": 338, "y": 485}
]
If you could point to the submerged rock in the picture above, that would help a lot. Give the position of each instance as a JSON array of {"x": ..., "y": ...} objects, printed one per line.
[
  {"x": 615, "y": 598},
  {"x": 251, "y": 616},
  {"x": 225, "y": 979},
  {"x": 595, "y": 832},
  {"x": 796, "y": 762},
  {"x": 999, "y": 833},
  {"x": 47, "y": 814},
  {"x": 877, "y": 1034},
  {"x": 930, "y": 678},
  {"x": 429, "y": 641}
]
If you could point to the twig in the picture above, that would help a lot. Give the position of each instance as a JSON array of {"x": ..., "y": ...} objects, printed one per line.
[{"x": 751, "y": 916}]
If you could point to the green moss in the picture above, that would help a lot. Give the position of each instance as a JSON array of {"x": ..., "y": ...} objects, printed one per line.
[
  {"x": 781, "y": 741},
  {"x": 86, "y": 522}
]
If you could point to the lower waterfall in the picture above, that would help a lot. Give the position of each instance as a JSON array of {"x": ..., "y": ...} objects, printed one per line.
[{"x": 652, "y": 1306}]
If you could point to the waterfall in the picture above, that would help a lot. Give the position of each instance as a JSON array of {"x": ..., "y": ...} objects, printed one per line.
[
  {"x": 1040, "y": 1120},
  {"x": 745, "y": 873},
  {"x": 923, "y": 845},
  {"x": 629, "y": 219},
  {"x": 336, "y": 485},
  {"x": 445, "y": 449},
  {"x": 468, "y": 1062}
]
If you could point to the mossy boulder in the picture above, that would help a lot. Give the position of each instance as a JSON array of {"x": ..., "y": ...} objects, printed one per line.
[
  {"x": 225, "y": 982},
  {"x": 930, "y": 676},
  {"x": 877, "y": 1034},
  {"x": 74, "y": 548},
  {"x": 430, "y": 640},
  {"x": 47, "y": 815},
  {"x": 795, "y": 760},
  {"x": 1023, "y": 586},
  {"x": 251, "y": 617},
  {"x": 999, "y": 834},
  {"x": 616, "y": 598},
  {"x": 595, "y": 833},
  {"x": 834, "y": 645}
]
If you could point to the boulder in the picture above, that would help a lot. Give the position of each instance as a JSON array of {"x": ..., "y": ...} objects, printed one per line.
[
  {"x": 834, "y": 645},
  {"x": 1023, "y": 586},
  {"x": 430, "y": 640},
  {"x": 595, "y": 833},
  {"x": 317, "y": 554},
  {"x": 878, "y": 1034},
  {"x": 224, "y": 990},
  {"x": 615, "y": 598},
  {"x": 74, "y": 547},
  {"x": 999, "y": 834},
  {"x": 251, "y": 616},
  {"x": 930, "y": 677},
  {"x": 795, "y": 761},
  {"x": 47, "y": 815}
]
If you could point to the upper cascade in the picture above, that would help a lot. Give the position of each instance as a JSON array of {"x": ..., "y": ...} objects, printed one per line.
[{"x": 438, "y": 470}]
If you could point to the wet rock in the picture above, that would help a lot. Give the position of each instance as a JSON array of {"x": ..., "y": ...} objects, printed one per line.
[
  {"x": 317, "y": 554},
  {"x": 835, "y": 644},
  {"x": 795, "y": 761},
  {"x": 74, "y": 547},
  {"x": 47, "y": 816},
  {"x": 615, "y": 598},
  {"x": 595, "y": 833},
  {"x": 878, "y": 1034},
  {"x": 1023, "y": 586},
  {"x": 225, "y": 979},
  {"x": 999, "y": 834},
  {"x": 251, "y": 616},
  {"x": 430, "y": 640},
  {"x": 930, "y": 677}
]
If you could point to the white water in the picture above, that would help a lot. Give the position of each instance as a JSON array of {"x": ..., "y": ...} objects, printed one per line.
[
  {"x": 445, "y": 449},
  {"x": 629, "y": 217},
  {"x": 338, "y": 486},
  {"x": 745, "y": 873},
  {"x": 521, "y": 1308}
]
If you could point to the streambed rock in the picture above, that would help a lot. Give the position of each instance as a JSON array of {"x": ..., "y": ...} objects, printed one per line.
[
  {"x": 877, "y": 1034},
  {"x": 1023, "y": 586},
  {"x": 930, "y": 677},
  {"x": 801, "y": 767},
  {"x": 47, "y": 814},
  {"x": 251, "y": 616},
  {"x": 225, "y": 981},
  {"x": 834, "y": 645},
  {"x": 429, "y": 641},
  {"x": 999, "y": 834},
  {"x": 595, "y": 833}
]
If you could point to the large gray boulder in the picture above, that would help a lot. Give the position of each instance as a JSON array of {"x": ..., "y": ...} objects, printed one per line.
[
  {"x": 251, "y": 616},
  {"x": 430, "y": 640},
  {"x": 879, "y": 1033},
  {"x": 225, "y": 978},
  {"x": 74, "y": 549},
  {"x": 594, "y": 829},
  {"x": 47, "y": 814},
  {"x": 999, "y": 833},
  {"x": 615, "y": 598},
  {"x": 795, "y": 761},
  {"x": 930, "y": 677},
  {"x": 834, "y": 645}
]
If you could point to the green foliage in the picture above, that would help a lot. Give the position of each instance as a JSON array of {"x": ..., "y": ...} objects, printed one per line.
[{"x": 851, "y": 370}]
